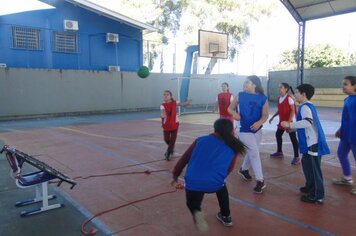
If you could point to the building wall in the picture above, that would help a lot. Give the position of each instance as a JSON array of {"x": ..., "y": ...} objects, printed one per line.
[
  {"x": 43, "y": 92},
  {"x": 318, "y": 77},
  {"x": 93, "y": 54}
]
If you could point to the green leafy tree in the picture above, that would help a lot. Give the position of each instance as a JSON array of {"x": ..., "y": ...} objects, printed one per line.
[
  {"x": 186, "y": 17},
  {"x": 352, "y": 59},
  {"x": 226, "y": 16},
  {"x": 320, "y": 55}
]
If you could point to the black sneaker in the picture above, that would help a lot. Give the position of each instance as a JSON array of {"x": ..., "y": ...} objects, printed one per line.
[
  {"x": 303, "y": 190},
  {"x": 167, "y": 156},
  {"x": 259, "y": 187},
  {"x": 245, "y": 174},
  {"x": 225, "y": 220},
  {"x": 308, "y": 199}
]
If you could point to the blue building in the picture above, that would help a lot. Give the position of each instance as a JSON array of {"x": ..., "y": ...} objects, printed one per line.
[{"x": 75, "y": 34}]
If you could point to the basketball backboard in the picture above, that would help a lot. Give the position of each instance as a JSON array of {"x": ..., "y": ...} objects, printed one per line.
[{"x": 212, "y": 44}]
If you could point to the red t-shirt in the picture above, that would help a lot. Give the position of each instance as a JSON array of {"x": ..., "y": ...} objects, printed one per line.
[
  {"x": 284, "y": 110},
  {"x": 170, "y": 122},
  {"x": 224, "y": 100}
]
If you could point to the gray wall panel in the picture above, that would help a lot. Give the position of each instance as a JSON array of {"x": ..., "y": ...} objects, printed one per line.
[{"x": 41, "y": 92}]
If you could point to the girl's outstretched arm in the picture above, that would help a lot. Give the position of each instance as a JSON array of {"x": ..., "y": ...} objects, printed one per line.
[
  {"x": 274, "y": 115},
  {"x": 185, "y": 104},
  {"x": 183, "y": 161}
]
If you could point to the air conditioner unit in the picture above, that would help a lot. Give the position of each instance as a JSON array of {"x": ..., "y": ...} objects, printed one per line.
[
  {"x": 71, "y": 25},
  {"x": 112, "y": 38},
  {"x": 113, "y": 68}
]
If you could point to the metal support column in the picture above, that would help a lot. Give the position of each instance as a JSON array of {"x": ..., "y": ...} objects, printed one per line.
[{"x": 300, "y": 52}]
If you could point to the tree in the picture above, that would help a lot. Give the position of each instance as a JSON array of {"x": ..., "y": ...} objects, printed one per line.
[
  {"x": 320, "y": 55},
  {"x": 226, "y": 16},
  {"x": 186, "y": 17}
]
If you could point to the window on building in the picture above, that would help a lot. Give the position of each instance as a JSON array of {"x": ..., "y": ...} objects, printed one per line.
[
  {"x": 26, "y": 38},
  {"x": 65, "y": 42}
]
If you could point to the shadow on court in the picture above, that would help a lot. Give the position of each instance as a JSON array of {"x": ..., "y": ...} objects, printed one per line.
[{"x": 111, "y": 157}]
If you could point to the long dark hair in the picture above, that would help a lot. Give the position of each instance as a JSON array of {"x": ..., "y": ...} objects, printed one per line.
[
  {"x": 256, "y": 81},
  {"x": 288, "y": 87},
  {"x": 224, "y": 128}
]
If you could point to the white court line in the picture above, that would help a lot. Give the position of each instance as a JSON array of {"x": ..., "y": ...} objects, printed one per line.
[{"x": 116, "y": 138}]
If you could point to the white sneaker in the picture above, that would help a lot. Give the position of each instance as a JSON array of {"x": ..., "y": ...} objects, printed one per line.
[
  {"x": 353, "y": 191},
  {"x": 200, "y": 222}
]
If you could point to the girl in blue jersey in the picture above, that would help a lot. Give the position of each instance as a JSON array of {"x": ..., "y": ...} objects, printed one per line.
[
  {"x": 347, "y": 132},
  {"x": 250, "y": 107},
  {"x": 210, "y": 159}
]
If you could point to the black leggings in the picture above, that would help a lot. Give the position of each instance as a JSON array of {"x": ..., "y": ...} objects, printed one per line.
[
  {"x": 293, "y": 139},
  {"x": 195, "y": 198}
]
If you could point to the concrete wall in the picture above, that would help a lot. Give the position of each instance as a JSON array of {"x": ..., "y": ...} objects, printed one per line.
[
  {"x": 318, "y": 77},
  {"x": 44, "y": 92}
]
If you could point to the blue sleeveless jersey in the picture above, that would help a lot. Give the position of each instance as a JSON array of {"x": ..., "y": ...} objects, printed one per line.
[
  {"x": 323, "y": 148},
  {"x": 208, "y": 165},
  {"x": 348, "y": 120},
  {"x": 250, "y": 109}
]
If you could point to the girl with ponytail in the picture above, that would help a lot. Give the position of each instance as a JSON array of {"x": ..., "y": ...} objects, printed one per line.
[
  {"x": 210, "y": 159},
  {"x": 170, "y": 123},
  {"x": 286, "y": 112}
]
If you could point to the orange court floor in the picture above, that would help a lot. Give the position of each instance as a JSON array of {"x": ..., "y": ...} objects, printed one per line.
[{"x": 122, "y": 149}]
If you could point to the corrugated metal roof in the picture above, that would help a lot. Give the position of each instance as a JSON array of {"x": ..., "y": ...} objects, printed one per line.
[
  {"x": 304, "y": 10},
  {"x": 112, "y": 15}
]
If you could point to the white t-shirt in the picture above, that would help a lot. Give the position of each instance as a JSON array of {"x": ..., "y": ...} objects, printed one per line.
[
  {"x": 162, "y": 108},
  {"x": 311, "y": 132},
  {"x": 231, "y": 98},
  {"x": 290, "y": 100}
]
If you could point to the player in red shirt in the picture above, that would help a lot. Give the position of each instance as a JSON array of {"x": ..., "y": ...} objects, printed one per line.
[
  {"x": 286, "y": 112},
  {"x": 223, "y": 101},
  {"x": 170, "y": 121}
]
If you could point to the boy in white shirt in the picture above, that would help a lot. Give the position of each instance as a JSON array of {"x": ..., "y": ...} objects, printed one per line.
[{"x": 312, "y": 144}]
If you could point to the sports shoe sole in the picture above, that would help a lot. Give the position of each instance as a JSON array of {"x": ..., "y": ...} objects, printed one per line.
[
  {"x": 343, "y": 182},
  {"x": 200, "y": 222},
  {"x": 223, "y": 222},
  {"x": 264, "y": 186}
]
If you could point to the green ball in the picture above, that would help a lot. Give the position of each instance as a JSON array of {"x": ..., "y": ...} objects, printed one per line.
[{"x": 143, "y": 72}]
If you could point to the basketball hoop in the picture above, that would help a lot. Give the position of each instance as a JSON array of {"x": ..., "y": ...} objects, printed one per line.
[{"x": 213, "y": 44}]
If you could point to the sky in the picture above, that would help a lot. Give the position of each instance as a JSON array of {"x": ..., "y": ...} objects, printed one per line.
[{"x": 268, "y": 39}]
